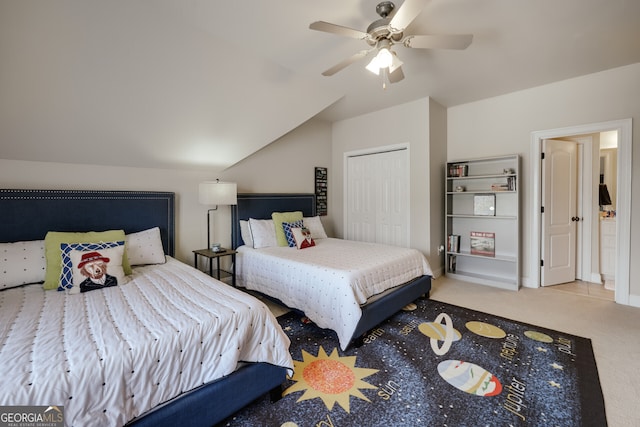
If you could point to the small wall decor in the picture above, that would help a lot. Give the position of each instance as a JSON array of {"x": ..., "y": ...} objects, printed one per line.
[
  {"x": 484, "y": 204},
  {"x": 321, "y": 191}
]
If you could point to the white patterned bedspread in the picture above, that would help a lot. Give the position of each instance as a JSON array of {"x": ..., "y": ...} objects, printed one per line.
[
  {"x": 329, "y": 281},
  {"x": 110, "y": 355}
]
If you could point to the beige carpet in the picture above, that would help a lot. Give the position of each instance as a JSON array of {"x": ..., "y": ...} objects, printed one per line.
[{"x": 614, "y": 330}]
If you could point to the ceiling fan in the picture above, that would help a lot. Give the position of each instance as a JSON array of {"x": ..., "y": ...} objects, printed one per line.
[{"x": 383, "y": 33}]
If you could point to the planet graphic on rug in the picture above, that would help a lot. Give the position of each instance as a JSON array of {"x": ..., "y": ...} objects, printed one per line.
[
  {"x": 538, "y": 336},
  {"x": 437, "y": 331},
  {"x": 469, "y": 378},
  {"x": 410, "y": 307},
  {"x": 486, "y": 330}
]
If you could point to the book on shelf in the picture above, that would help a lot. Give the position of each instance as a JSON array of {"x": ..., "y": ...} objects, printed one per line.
[
  {"x": 483, "y": 243},
  {"x": 500, "y": 187},
  {"x": 452, "y": 263},
  {"x": 453, "y": 243},
  {"x": 458, "y": 170}
]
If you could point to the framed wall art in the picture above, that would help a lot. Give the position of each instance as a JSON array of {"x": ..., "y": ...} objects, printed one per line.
[{"x": 321, "y": 190}]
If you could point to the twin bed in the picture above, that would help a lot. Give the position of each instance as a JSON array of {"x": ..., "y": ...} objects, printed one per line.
[
  {"x": 173, "y": 346},
  {"x": 346, "y": 286}
]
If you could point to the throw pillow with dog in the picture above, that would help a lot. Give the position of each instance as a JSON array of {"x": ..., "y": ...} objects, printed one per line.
[{"x": 92, "y": 267}]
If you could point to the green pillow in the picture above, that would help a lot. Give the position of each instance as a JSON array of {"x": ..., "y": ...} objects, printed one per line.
[
  {"x": 53, "y": 253},
  {"x": 280, "y": 217}
]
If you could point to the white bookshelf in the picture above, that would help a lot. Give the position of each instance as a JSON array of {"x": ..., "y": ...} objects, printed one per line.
[{"x": 482, "y": 196}]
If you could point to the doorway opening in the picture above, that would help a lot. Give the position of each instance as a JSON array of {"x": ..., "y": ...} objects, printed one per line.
[{"x": 589, "y": 179}]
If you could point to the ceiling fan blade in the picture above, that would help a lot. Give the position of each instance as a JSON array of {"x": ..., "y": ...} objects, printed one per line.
[
  {"x": 406, "y": 14},
  {"x": 458, "y": 41},
  {"x": 338, "y": 29},
  {"x": 396, "y": 76},
  {"x": 339, "y": 66}
]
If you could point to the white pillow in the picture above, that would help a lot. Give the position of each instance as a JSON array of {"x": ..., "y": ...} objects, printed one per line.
[
  {"x": 22, "y": 263},
  {"x": 145, "y": 247},
  {"x": 245, "y": 233},
  {"x": 314, "y": 225},
  {"x": 263, "y": 233}
]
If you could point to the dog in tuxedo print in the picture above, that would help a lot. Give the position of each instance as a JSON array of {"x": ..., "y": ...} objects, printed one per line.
[{"x": 94, "y": 267}]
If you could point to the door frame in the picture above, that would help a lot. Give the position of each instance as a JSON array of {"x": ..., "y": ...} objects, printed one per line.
[{"x": 623, "y": 208}]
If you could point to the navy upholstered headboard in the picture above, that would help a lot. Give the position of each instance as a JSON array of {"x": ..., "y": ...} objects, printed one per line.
[
  {"x": 260, "y": 206},
  {"x": 30, "y": 214}
]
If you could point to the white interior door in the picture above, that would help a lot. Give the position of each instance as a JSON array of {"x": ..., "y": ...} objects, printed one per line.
[
  {"x": 378, "y": 197},
  {"x": 360, "y": 204},
  {"x": 392, "y": 225},
  {"x": 559, "y": 175}
]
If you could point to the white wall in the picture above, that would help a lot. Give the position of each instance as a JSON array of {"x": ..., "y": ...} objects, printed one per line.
[
  {"x": 300, "y": 150},
  {"x": 287, "y": 165},
  {"x": 404, "y": 124},
  {"x": 503, "y": 125}
]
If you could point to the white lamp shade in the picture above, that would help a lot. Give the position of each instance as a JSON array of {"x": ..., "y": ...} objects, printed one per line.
[
  {"x": 218, "y": 193},
  {"x": 384, "y": 59}
]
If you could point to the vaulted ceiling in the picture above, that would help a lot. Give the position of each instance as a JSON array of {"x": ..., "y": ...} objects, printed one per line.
[{"x": 204, "y": 84}]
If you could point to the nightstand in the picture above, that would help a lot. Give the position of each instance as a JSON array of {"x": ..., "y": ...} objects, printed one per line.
[{"x": 208, "y": 253}]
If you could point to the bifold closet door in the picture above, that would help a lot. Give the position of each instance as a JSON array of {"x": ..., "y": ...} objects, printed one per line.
[{"x": 377, "y": 197}]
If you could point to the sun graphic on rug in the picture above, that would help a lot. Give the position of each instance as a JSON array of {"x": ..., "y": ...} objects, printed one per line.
[{"x": 331, "y": 378}]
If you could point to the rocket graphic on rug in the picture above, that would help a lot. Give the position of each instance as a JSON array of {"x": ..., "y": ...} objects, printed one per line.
[{"x": 469, "y": 378}]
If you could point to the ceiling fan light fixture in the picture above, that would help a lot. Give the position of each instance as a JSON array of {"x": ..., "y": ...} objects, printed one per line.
[
  {"x": 374, "y": 65},
  {"x": 395, "y": 62},
  {"x": 383, "y": 33},
  {"x": 384, "y": 59}
]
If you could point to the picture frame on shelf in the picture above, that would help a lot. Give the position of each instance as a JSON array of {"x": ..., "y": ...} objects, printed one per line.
[{"x": 484, "y": 204}]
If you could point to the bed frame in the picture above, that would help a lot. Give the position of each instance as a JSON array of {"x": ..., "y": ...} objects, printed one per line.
[
  {"x": 30, "y": 214},
  {"x": 260, "y": 206}
]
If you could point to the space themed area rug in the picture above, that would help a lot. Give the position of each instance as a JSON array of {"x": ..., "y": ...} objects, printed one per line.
[{"x": 435, "y": 364}]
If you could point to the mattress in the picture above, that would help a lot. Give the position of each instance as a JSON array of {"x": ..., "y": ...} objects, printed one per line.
[
  {"x": 110, "y": 355},
  {"x": 330, "y": 281}
]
